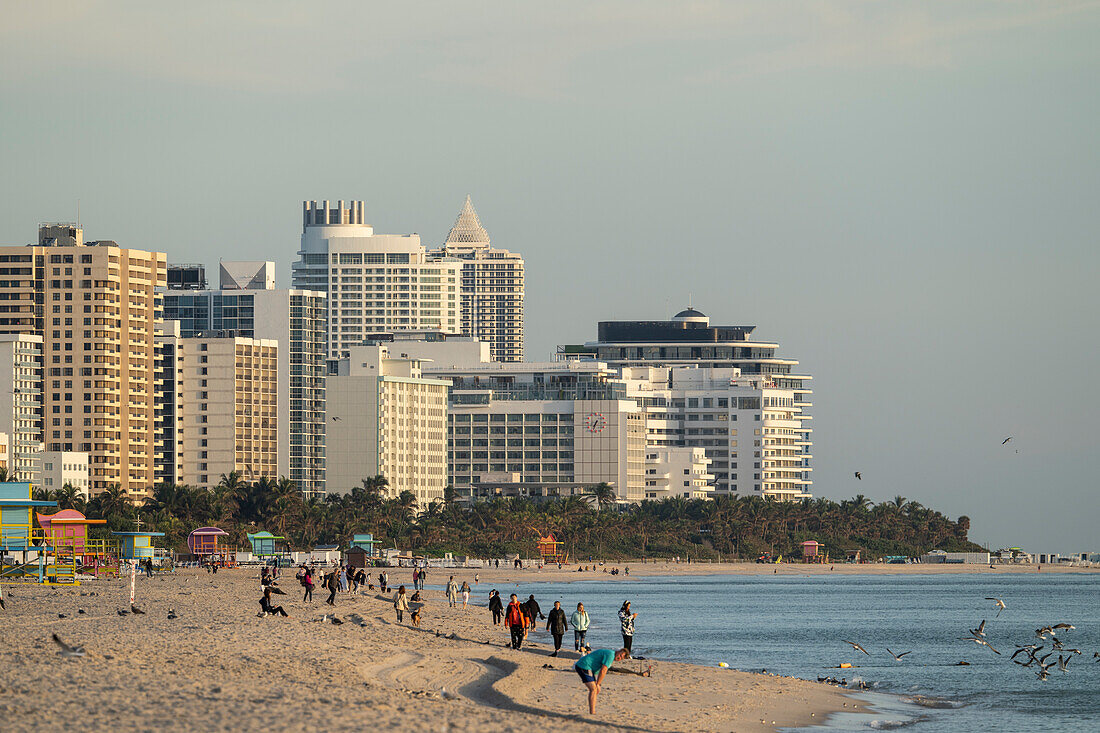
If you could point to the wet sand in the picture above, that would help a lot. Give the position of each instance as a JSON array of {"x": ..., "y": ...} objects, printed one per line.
[{"x": 220, "y": 667}]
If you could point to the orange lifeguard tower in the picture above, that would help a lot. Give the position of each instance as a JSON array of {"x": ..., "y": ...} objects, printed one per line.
[
  {"x": 550, "y": 548},
  {"x": 67, "y": 532}
]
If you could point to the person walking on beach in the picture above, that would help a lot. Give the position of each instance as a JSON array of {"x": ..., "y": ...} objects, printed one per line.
[
  {"x": 496, "y": 606},
  {"x": 332, "y": 584},
  {"x": 556, "y": 625},
  {"x": 516, "y": 622},
  {"x": 626, "y": 622},
  {"x": 307, "y": 583},
  {"x": 265, "y": 604},
  {"x": 400, "y": 603},
  {"x": 416, "y": 578},
  {"x": 592, "y": 668},
  {"x": 580, "y": 622},
  {"x": 384, "y": 581},
  {"x": 532, "y": 611},
  {"x": 452, "y": 592},
  {"x": 465, "y": 595}
]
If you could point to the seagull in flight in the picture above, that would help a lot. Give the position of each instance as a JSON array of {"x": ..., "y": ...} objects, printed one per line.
[
  {"x": 334, "y": 419},
  {"x": 1003, "y": 442},
  {"x": 1070, "y": 627},
  {"x": 897, "y": 657},
  {"x": 859, "y": 475},
  {"x": 68, "y": 652},
  {"x": 980, "y": 631},
  {"x": 1000, "y": 604},
  {"x": 856, "y": 646},
  {"x": 983, "y": 642}
]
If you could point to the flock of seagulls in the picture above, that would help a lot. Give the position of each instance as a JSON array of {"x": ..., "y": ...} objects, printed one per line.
[{"x": 1032, "y": 654}]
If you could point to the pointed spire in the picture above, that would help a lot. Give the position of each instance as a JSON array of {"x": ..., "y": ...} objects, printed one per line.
[{"x": 467, "y": 228}]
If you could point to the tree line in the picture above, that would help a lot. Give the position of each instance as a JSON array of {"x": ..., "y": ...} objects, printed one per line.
[{"x": 589, "y": 526}]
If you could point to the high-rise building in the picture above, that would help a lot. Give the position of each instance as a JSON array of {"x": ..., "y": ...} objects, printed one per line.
[
  {"x": 230, "y": 408},
  {"x": 296, "y": 320},
  {"x": 387, "y": 419},
  {"x": 95, "y": 306},
  {"x": 751, "y": 431},
  {"x": 21, "y": 400},
  {"x": 492, "y": 291},
  {"x": 168, "y": 454},
  {"x": 735, "y": 379},
  {"x": 374, "y": 282}
]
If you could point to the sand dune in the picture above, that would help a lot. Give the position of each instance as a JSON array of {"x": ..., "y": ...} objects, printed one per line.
[{"x": 219, "y": 667}]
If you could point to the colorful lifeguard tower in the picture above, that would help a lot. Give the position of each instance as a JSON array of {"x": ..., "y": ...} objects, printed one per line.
[
  {"x": 811, "y": 551},
  {"x": 68, "y": 529},
  {"x": 550, "y": 549},
  {"x": 137, "y": 545},
  {"x": 39, "y": 561},
  {"x": 266, "y": 545},
  {"x": 365, "y": 542},
  {"x": 206, "y": 544}
]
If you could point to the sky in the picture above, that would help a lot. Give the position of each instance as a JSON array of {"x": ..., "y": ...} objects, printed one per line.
[{"x": 903, "y": 195}]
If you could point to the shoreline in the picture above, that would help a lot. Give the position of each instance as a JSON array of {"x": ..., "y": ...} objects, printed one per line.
[
  {"x": 569, "y": 574},
  {"x": 219, "y": 666}
]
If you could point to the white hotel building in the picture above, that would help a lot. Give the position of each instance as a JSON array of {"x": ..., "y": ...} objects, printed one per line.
[
  {"x": 374, "y": 282},
  {"x": 740, "y": 401}
]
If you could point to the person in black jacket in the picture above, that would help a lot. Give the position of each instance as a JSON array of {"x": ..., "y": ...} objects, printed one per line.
[
  {"x": 532, "y": 611},
  {"x": 265, "y": 604},
  {"x": 496, "y": 606},
  {"x": 556, "y": 625}
]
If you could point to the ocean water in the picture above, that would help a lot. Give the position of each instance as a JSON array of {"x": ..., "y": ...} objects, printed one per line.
[{"x": 795, "y": 624}]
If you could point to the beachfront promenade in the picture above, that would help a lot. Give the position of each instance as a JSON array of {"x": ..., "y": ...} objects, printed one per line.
[{"x": 218, "y": 666}]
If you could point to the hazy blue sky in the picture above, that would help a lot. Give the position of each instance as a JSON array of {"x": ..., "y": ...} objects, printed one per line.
[{"x": 904, "y": 195}]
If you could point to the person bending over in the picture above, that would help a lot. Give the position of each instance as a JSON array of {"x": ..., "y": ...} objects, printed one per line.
[{"x": 592, "y": 668}]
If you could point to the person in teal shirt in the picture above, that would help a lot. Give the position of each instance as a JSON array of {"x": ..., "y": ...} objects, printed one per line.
[{"x": 593, "y": 666}]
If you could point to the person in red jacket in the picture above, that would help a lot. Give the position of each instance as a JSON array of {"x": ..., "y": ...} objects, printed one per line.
[{"x": 515, "y": 621}]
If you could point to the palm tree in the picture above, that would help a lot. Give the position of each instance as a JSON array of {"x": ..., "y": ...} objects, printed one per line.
[
  {"x": 67, "y": 497},
  {"x": 603, "y": 493}
]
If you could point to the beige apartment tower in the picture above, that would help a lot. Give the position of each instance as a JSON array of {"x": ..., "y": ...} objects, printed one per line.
[
  {"x": 95, "y": 307},
  {"x": 230, "y": 408},
  {"x": 386, "y": 419},
  {"x": 492, "y": 287}
]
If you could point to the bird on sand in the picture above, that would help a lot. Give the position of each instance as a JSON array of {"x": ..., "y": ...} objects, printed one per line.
[
  {"x": 1003, "y": 442},
  {"x": 136, "y": 610},
  {"x": 68, "y": 652},
  {"x": 859, "y": 475},
  {"x": 172, "y": 614},
  {"x": 999, "y": 603},
  {"x": 122, "y": 612},
  {"x": 856, "y": 646},
  {"x": 897, "y": 657}
]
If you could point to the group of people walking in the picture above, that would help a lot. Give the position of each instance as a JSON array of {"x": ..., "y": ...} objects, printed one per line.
[{"x": 520, "y": 618}]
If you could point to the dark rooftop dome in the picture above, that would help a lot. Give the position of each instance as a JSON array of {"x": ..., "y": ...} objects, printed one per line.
[{"x": 689, "y": 313}]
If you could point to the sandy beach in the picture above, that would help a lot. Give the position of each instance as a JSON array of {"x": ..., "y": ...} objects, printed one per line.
[
  {"x": 637, "y": 569},
  {"x": 218, "y": 666}
]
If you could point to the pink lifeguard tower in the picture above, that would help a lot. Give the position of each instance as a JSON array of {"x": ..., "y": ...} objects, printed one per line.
[
  {"x": 68, "y": 529},
  {"x": 810, "y": 549},
  {"x": 205, "y": 543}
]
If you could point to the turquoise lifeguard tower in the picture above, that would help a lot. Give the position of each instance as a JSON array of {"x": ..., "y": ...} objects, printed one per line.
[
  {"x": 264, "y": 544},
  {"x": 137, "y": 545},
  {"x": 364, "y": 542},
  {"x": 18, "y": 535}
]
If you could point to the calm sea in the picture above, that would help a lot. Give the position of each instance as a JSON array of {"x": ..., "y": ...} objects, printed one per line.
[{"x": 794, "y": 625}]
